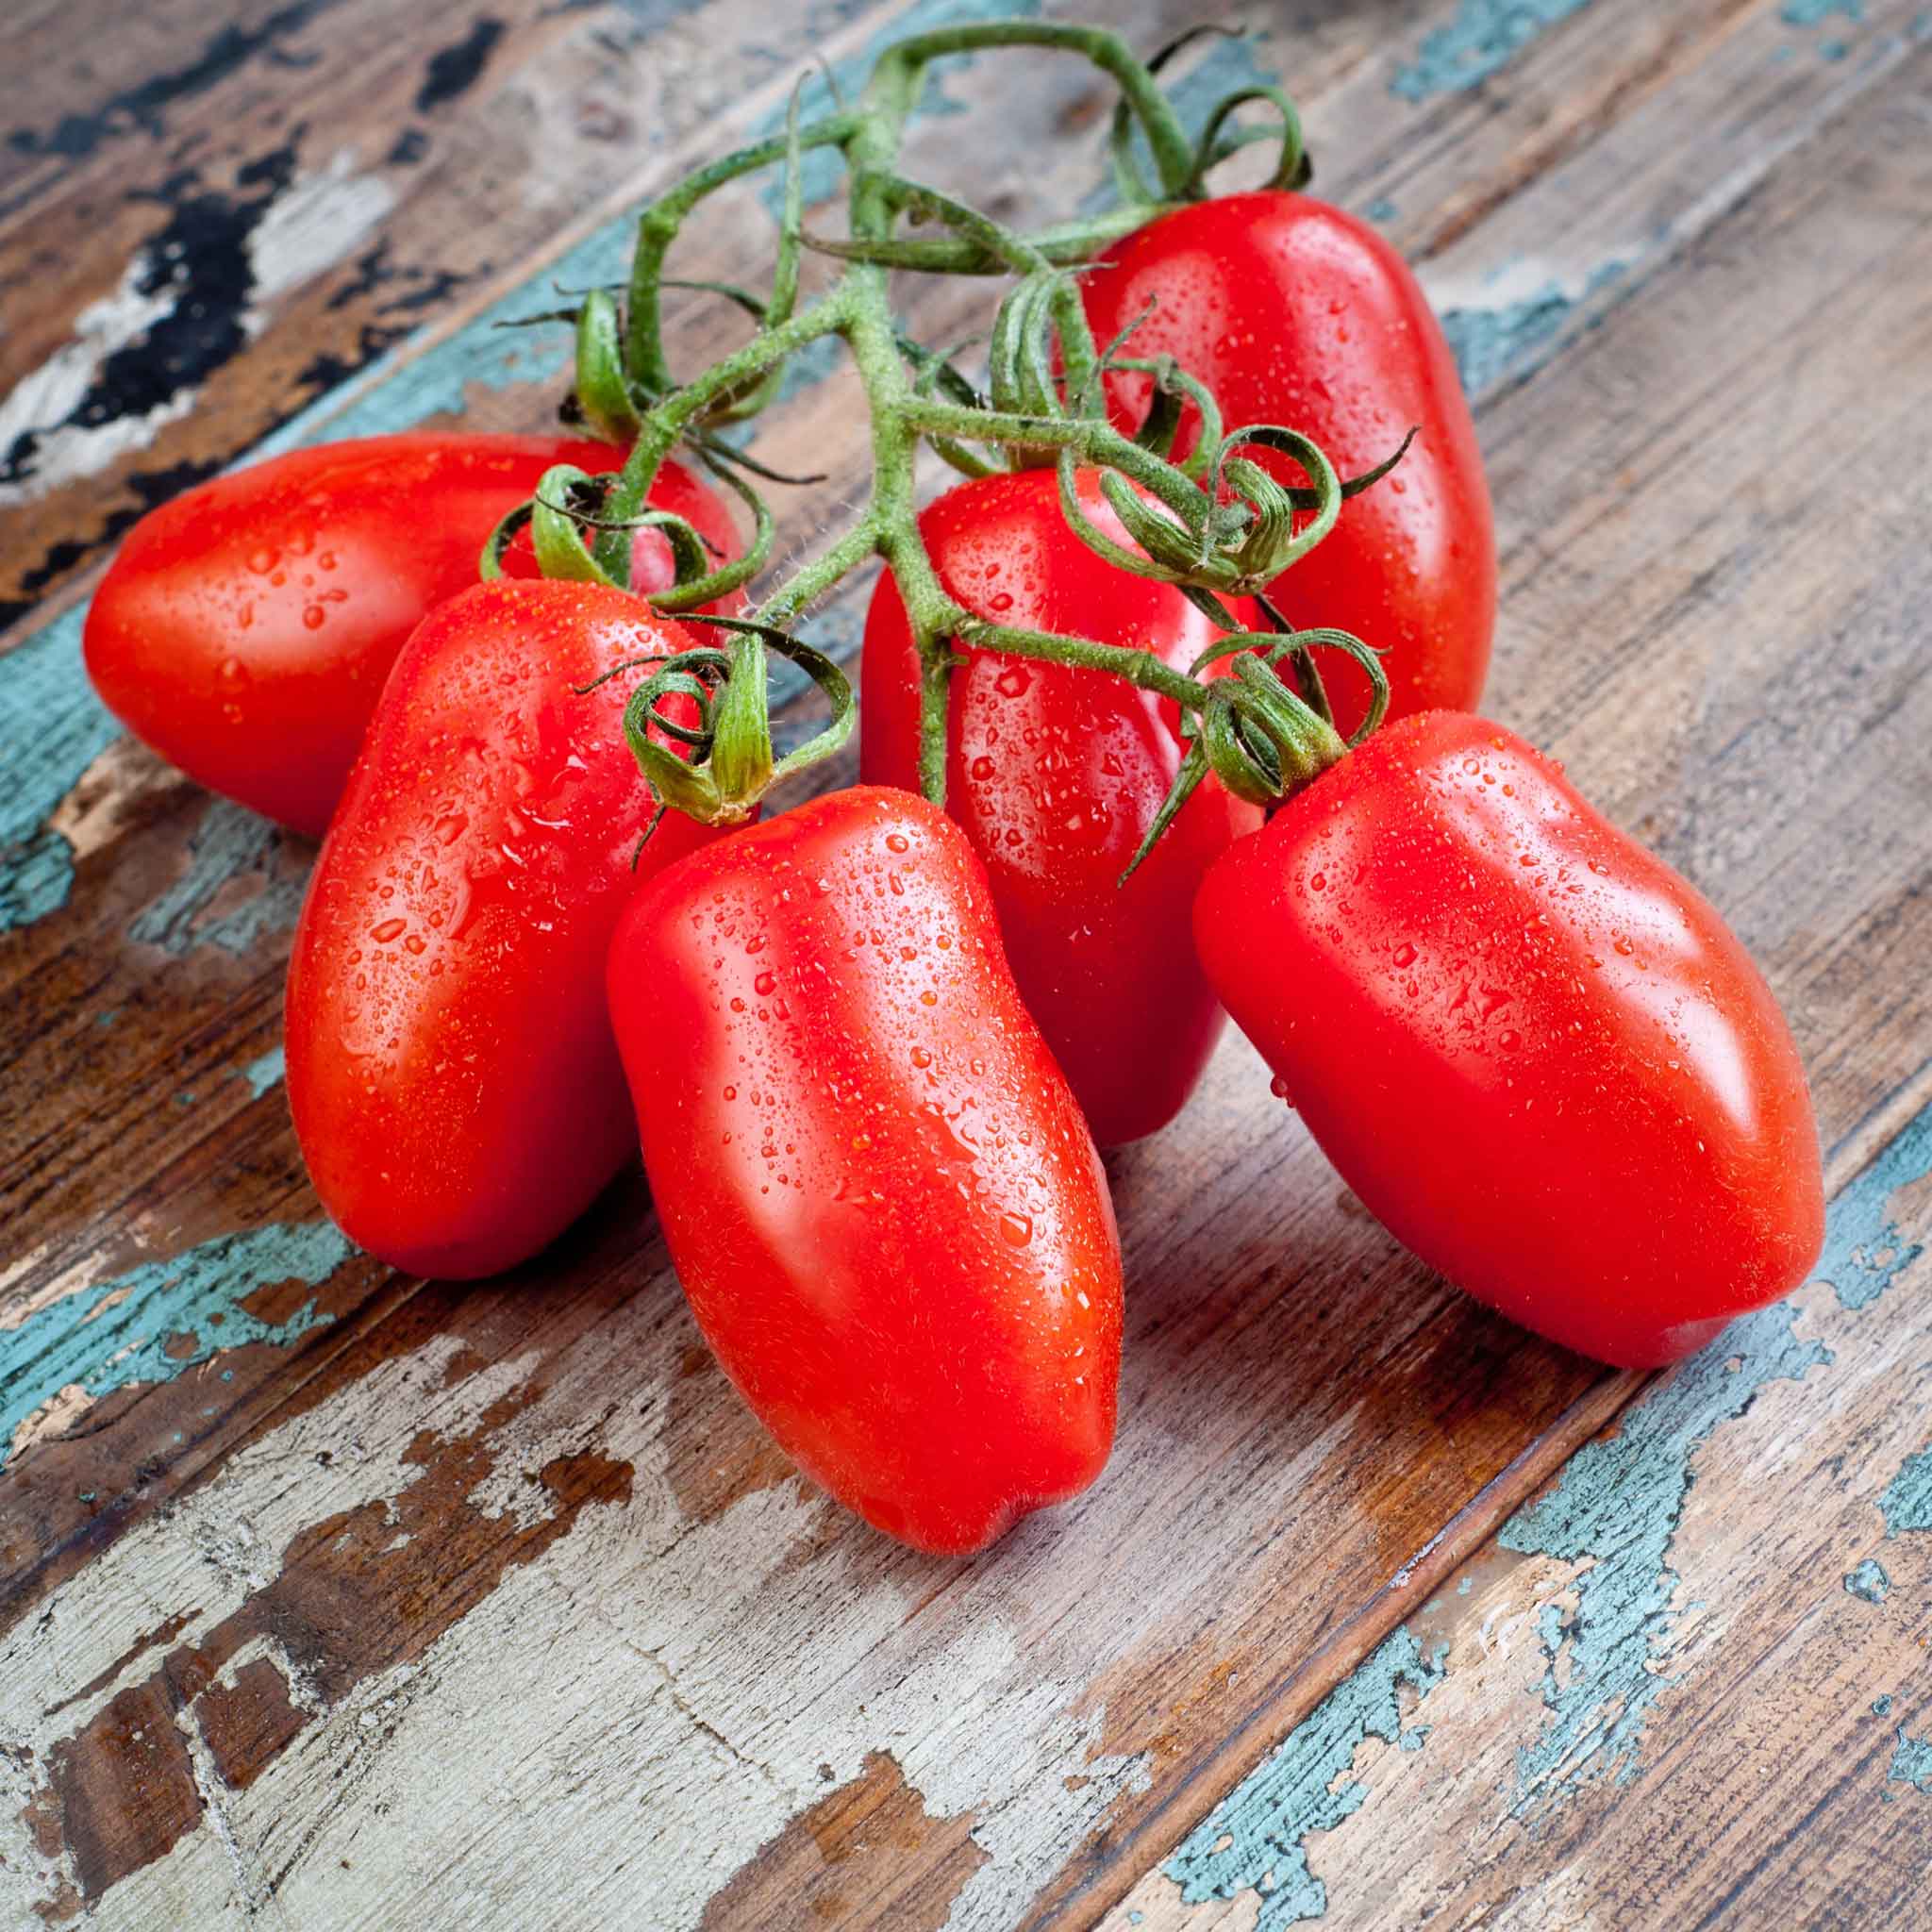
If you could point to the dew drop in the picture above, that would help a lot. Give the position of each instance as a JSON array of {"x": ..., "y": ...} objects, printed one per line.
[{"x": 1016, "y": 1228}]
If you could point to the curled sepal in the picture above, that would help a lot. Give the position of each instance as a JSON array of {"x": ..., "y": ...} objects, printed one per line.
[
  {"x": 566, "y": 504},
  {"x": 1193, "y": 768},
  {"x": 731, "y": 763},
  {"x": 1174, "y": 389},
  {"x": 831, "y": 681},
  {"x": 1274, "y": 542},
  {"x": 1291, "y": 165},
  {"x": 686, "y": 593},
  {"x": 602, "y": 390}
]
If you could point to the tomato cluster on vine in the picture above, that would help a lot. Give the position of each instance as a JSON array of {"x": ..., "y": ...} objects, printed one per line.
[{"x": 871, "y": 1045}]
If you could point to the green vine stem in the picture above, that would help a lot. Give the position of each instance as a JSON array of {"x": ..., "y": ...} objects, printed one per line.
[{"x": 1218, "y": 524}]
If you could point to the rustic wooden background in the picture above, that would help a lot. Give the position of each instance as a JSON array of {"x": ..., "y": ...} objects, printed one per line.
[{"x": 332, "y": 1598}]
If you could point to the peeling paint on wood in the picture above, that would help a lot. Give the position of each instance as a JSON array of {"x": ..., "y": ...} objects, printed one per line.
[
  {"x": 265, "y": 1072},
  {"x": 245, "y": 880},
  {"x": 157, "y": 1321},
  {"x": 1868, "y": 1582},
  {"x": 53, "y": 727},
  {"x": 1617, "y": 1508},
  {"x": 1256, "y": 1840},
  {"x": 1484, "y": 38},
  {"x": 1907, "y": 1501},
  {"x": 1911, "y": 1762}
]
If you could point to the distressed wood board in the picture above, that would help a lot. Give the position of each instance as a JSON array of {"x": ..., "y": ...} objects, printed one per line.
[{"x": 329, "y": 1597}]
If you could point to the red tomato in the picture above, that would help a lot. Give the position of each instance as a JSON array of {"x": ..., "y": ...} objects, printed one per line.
[
  {"x": 1293, "y": 312},
  {"x": 245, "y": 629},
  {"x": 455, "y": 1084},
  {"x": 1534, "y": 1052},
  {"x": 1055, "y": 774},
  {"x": 876, "y": 1186}
]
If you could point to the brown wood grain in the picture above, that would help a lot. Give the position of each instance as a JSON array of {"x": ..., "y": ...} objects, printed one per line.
[{"x": 1718, "y": 636}]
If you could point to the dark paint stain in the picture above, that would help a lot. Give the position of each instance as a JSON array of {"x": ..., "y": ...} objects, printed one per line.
[
  {"x": 143, "y": 108},
  {"x": 355, "y": 1594},
  {"x": 200, "y": 256},
  {"x": 411, "y": 144},
  {"x": 453, "y": 70},
  {"x": 198, "y": 259}
]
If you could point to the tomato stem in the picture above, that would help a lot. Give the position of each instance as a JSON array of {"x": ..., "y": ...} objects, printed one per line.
[{"x": 1217, "y": 524}]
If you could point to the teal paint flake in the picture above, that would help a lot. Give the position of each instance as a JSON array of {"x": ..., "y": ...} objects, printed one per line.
[
  {"x": 1865, "y": 1251},
  {"x": 1380, "y": 210},
  {"x": 230, "y": 843},
  {"x": 1881, "y": 1707},
  {"x": 116, "y": 1333},
  {"x": 264, "y": 1072},
  {"x": 1617, "y": 1505},
  {"x": 1834, "y": 50},
  {"x": 1868, "y": 1582},
  {"x": 1912, "y": 1763},
  {"x": 1483, "y": 38},
  {"x": 53, "y": 728},
  {"x": 1907, "y": 1501},
  {"x": 1508, "y": 341},
  {"x": 1816, "y": 12},
  {"x": 1269, "y": 1816}
]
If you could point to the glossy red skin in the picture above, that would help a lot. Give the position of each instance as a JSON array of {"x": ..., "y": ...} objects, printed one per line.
[
  {"x": 461, "y": 1105},
  {"x": 1293, "y": 312},
  {"x": 1534, "y": 1051},
  {"x": 1055, "y": 775},
  {"x": 245, "y": 629},
  {"x": 888, "y": 1214}
]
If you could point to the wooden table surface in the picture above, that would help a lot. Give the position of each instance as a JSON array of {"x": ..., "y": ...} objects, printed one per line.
[{"x": 332, "y": 1598}]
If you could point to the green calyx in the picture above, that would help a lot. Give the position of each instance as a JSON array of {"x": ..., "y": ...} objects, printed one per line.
[{"x": 1220, "y": 521}]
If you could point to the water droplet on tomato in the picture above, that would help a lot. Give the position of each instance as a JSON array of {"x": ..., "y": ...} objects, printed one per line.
[
  {"x": 1016, "y": 1228},
  {"x": 261, "y": 561},
  {"x": 1014, "y": 681},
  {"x": 765, "y": 984},
  {"x": 387, "y": 930},
  {"x": 1405, "y": 954}
]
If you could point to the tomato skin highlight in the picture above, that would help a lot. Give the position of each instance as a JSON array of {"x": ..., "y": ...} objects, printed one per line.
[
  {"x": 1534, "y": 1050},
  {"x": 1055, "y": 774},
  {"x": 450, "y": 1070},
  {"x": 877, "y": 1188},
  {"x": 1291, "y": 312},
  {"x": 245, "y": 629}
]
